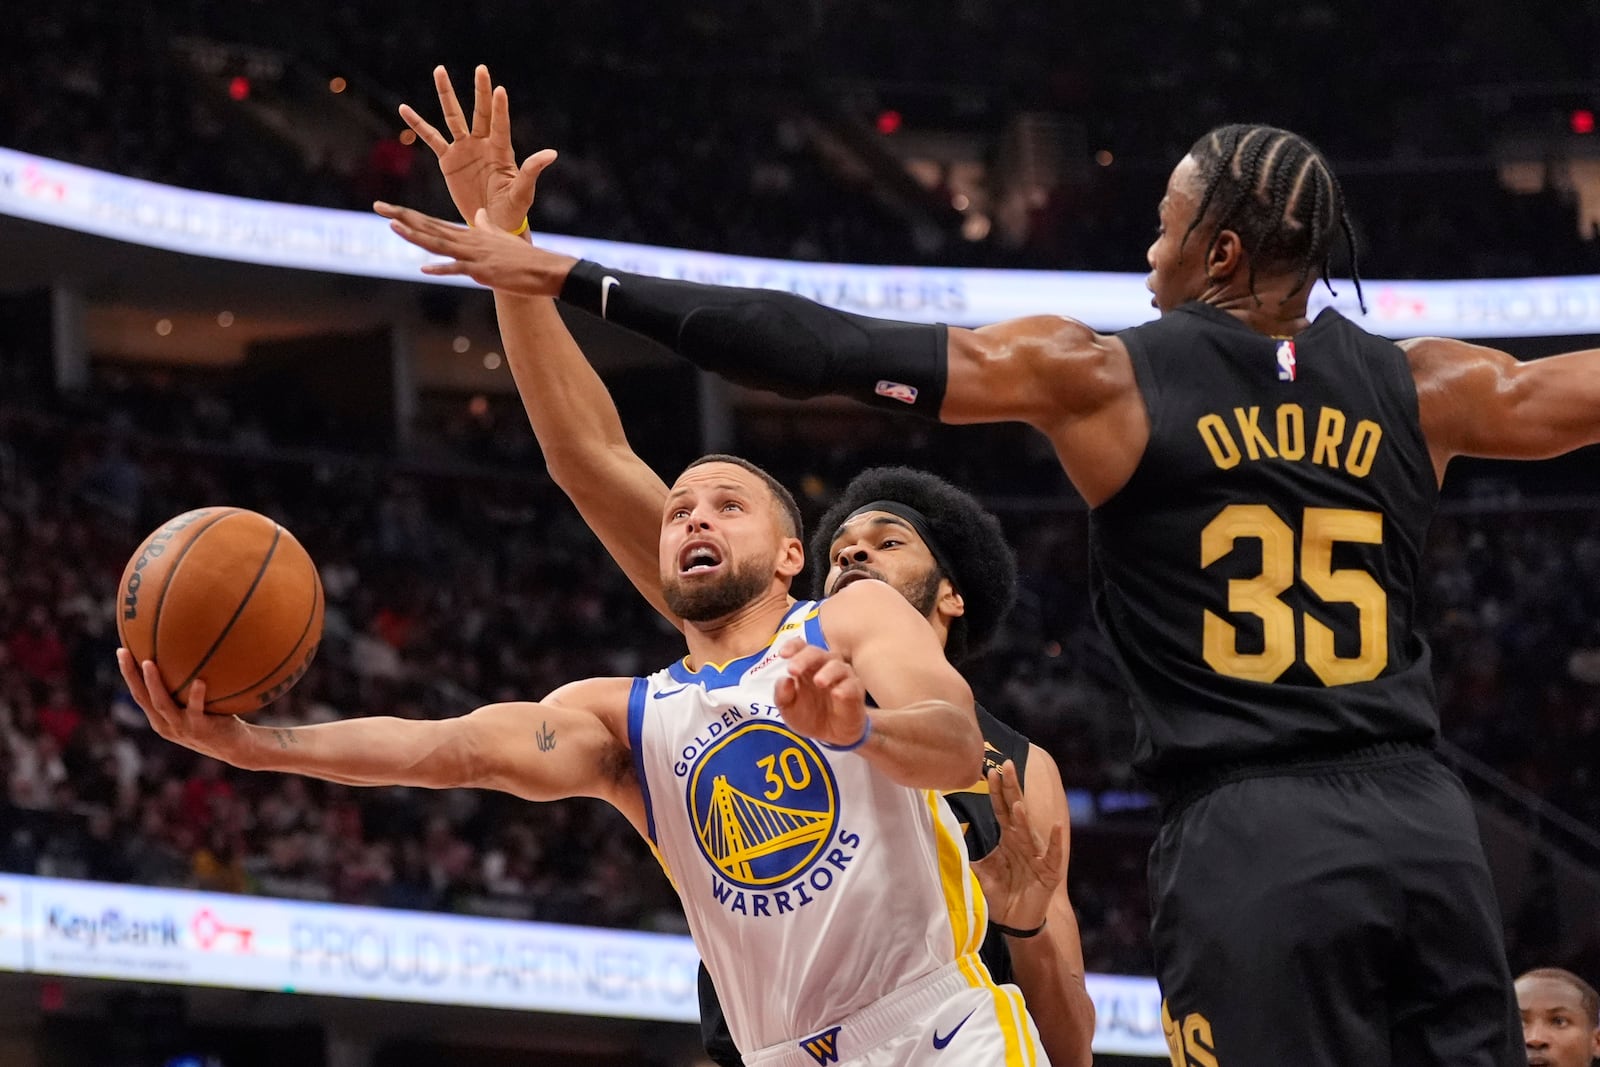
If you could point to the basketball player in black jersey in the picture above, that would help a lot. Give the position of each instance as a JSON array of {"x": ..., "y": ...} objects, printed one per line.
[
  {"x": 1259, "y": 487},
  {"x": 927, "y": 539}
]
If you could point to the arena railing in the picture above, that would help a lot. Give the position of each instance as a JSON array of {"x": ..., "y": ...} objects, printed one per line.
[{"x": 348, "y": 242}]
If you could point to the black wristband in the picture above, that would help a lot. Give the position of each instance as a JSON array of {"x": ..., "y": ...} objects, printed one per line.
[
  {"x": 1012, "y": 931},
  {"x": 773, "y": 340}
]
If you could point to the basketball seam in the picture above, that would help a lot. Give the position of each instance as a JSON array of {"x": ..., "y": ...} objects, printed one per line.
[
  {"x": 316, "y": 600},
  {"x": 277, "y": 532},
  {"x": 155, "y": 623}
]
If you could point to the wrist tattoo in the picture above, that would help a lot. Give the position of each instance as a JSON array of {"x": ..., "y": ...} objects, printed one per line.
[{"x": 285, "y": 738}]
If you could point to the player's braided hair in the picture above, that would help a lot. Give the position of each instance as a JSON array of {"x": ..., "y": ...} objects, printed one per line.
[
  {"x": 984, "y": 569},
  {"x": 1276, "y": 191}
]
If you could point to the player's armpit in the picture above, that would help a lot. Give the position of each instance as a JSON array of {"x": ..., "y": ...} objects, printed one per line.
[{"x": 1479, "y": 401}]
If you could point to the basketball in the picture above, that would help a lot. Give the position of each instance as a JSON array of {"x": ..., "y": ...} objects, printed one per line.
[{"x": 226, "y": 595}]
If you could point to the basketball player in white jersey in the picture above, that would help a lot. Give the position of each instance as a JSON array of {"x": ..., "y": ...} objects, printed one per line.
[{"x": 824, "y": 880}]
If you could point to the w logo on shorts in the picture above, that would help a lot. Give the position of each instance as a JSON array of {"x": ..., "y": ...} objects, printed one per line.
[{"x": 823, "y": 1047}]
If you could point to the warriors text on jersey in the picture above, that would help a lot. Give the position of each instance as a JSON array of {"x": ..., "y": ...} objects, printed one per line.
[
  {"x": 975, "y": 814},
  {"x": 1256, "y": 574},
  {"x": 814, "y": 886}
]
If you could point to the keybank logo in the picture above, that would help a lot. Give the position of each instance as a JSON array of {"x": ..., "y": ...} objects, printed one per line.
[{"x": 112, "y": 927}]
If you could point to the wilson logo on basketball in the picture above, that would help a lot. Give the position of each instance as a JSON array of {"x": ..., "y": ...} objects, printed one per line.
[{"x": 152, "y": 551}]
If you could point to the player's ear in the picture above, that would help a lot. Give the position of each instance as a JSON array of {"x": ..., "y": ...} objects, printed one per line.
[
  {"x": 791, "y": 557},
  {"x": 1225, "y": 256},
  {"x": 950, "y": 603}
]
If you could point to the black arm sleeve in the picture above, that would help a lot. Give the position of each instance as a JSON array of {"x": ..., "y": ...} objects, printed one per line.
[{"x": 773, "y": 340}]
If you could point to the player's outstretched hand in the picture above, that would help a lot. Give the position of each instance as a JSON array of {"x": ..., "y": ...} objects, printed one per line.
[
  {"x": 477, "y": 162},
  {"x": 189, "y": 726},
  {"x": 822, "y": 698},
  {"x": 1022, "y": 872},
  {"x": 487, "y": 255}
]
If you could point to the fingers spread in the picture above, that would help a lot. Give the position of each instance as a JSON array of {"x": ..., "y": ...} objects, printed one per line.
[
  {"x": 500, "y": 118},
  {"x": 482, "y": 116},
  {"x": 454, "y": 120},
  {"x": 424, "y": 129}
]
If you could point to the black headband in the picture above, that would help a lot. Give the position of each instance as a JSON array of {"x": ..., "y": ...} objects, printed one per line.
[{"x": 918, "y": 522}]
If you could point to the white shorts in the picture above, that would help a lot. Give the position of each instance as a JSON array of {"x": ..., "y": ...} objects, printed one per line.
[{"x": 942, "y": 1020}]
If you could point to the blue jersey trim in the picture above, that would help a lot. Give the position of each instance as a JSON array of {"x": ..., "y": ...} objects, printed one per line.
[
  {"x": 636, "y": 705},
  {"x": 814, "y": 633},
  {"x": 721, "y": 675}
]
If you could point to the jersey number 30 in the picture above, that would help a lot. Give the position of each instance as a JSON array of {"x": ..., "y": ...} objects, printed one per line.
[{"x": 1261, "y": 595}]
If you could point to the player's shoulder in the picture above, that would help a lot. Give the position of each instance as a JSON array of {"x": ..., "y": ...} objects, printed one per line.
[
  {"x": 593, "y": 694},
  {"x": 857, "y": 601}
]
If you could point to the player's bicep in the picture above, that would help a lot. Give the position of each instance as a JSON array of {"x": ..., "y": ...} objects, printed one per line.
[
  {"x": 1479, "y": 401},
  {"x": 892, "y": 649},
  {"x": 1036, "y": 370},
  {"x": 546, "y": 751}
]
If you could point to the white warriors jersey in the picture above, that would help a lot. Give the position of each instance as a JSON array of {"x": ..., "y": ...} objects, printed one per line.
[{"x": 813, "y": 885}]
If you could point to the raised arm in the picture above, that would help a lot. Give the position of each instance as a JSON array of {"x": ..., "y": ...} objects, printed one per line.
[
  {"x": 573, "y": 415},
  {"x": 1478, "y": 401},
  {"x": 571, "y": 744},
  {"x": 1054, "y": 374},
  {"x": 922, "y": 731},
  {"x": 581, "y": 435}
]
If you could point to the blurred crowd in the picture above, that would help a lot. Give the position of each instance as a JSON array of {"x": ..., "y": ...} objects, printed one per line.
[
  {"x": 740, "y": 129},
  {"x": 469, "y": 579},
  {"x": 448, "y": 587}
]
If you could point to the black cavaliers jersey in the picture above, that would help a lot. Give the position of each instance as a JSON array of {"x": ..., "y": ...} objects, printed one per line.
[
  {"x": 1256, "y": 577},
  {"x": 973, "y": 809}
]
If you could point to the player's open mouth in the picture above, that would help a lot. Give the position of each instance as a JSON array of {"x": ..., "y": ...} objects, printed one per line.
[
  {"x": 855, "y": 575},
  {"x": 699, "y": 557}
]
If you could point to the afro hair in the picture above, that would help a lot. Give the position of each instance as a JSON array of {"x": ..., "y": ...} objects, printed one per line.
[{"x": 985, "y": 568}]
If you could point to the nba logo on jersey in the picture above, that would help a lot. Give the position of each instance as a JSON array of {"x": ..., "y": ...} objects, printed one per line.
[
  {"x": 1287, "y": 368},
  {"x": 906, "y": 394},
  {"x": 824, "y": 1047}
]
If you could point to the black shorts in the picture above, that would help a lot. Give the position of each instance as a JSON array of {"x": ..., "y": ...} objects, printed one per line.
[{"x": 1334, "y": 914}]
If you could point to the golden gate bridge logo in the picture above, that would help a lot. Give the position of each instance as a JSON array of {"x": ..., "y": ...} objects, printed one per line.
[{"x": 763, "y": 802}]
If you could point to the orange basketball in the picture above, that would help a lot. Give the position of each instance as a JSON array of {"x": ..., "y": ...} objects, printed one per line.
[{"x": 226, "y": 595}]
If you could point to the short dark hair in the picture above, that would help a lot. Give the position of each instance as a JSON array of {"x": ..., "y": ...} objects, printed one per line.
[
  {"x": 1588, "y": 998},
  {"x": 780, "y": 495},
  {"x": 984, "y": 569},
  {"x": 1275, "y": 190}
]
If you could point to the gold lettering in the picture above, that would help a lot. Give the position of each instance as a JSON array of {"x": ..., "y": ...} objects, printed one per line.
[
  {"x": 1363, "y": 448},
  {"x": 1330, "y": 434},
  {"x": 1174, "y": 1035},
  {"x": 1219, "y": 442},
  {"x": 1197, "y": 1036},
  {"x": 1255, "y": 442},
  {"x": 1291, "y": 431}
]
